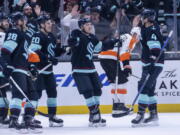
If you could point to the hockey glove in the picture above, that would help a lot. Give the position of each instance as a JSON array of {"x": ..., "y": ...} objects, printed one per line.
[
  {"x": 152, "y": 58},
  {"x": 127, "y": 70},
  {"x": 34, "y": 71},
  {"x": 152, "y": 61},
  {"x": 68, "y": 50},
  {"x": 53, "y": 60}
]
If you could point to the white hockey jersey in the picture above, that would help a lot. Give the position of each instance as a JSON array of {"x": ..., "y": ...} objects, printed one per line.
[{"x": 128, "y": 43}]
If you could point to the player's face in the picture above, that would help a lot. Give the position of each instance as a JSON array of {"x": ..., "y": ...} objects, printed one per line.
[
  {"x": 88, "y": 27},
  {"x": 22, "y": 23},
  {"x": 144, "y": 21},
  {"x": 5, "y": 24},
  {"x": 48, "y": 26}
]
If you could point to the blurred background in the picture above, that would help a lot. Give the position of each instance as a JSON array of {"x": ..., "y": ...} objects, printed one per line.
[{"x": 107, "y": 17}]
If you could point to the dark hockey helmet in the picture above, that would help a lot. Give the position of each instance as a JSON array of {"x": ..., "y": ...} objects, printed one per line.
[
  {"x": 42, "y": 19},
  {"x": 17, "y": 16},
  {"x": 83, "y": 21},
  {"x": 150, "y": 14}
]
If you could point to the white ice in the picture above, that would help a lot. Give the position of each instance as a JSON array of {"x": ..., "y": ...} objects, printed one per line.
[{"x": 78, "y": 125}]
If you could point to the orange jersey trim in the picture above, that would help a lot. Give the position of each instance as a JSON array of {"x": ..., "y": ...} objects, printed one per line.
[
  {"x": 112, "y": 53},
  {"x": 125, "y": 56},
  {"x": 119, "y": 91}
]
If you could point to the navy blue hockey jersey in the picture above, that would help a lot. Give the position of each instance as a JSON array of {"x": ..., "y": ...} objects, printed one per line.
[
  {"x": 45, "y": 46},
  {"x": 152, "y": 43},
  {"x": 15, "y": 50},
  {"x": 82, "y": 52}
]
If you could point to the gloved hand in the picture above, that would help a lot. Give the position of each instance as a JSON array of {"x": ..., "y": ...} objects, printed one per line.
[
  {"x": 152, "y": 58},
  {"x": 53, "y": 60},
  {"x": 116, "y": 40},
  {"x": 7, "y": 71},
  {"x": 68, "y": 50},
  {"x": 34, "y": 72},
  {"x": 152, "y": 61},
  {"x": 127, "y": 70}
]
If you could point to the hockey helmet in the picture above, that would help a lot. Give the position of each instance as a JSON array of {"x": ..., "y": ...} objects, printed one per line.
[
  {"x": 42, "y": 19},
  {"x": 17, "y": 16},
  {"x": 83, "y": 21},
  {"x": 150, "y": 14}
]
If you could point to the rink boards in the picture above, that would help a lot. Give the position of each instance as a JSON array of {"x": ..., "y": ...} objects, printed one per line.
[{"x": 70, "y": 102}]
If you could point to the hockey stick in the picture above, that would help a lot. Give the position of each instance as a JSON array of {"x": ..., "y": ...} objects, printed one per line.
[
  {"x": 39, "y": 72},
  {"x": 118, "y": 51},
  {"x": 21, "y": 91},
  {"x": 4, "y": 85},
  {"x": 46, "y": 67},
  {"x": 135, "y": 76},
  {"x": 147, "y": 77}
]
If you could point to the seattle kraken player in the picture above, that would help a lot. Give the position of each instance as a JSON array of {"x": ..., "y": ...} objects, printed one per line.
[
  {"x": 14, "y": 55},
  {"x": 4, "y": 25},
  {"x": 31, "y": 26},
  {"x": 151, "y": 46},
  {"x": 44, "y": 44},
  {"x": 83, "y": 45}
]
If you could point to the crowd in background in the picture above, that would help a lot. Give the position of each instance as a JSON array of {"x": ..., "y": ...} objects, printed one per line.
[{"x": 103, "y": 13}]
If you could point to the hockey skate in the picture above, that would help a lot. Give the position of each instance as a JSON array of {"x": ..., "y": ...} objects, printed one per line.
[
  {"x": 138, "y": 121},
  {"x": 55, "y": 122},
  {"x": 4, "y": 122},
  {"x": 152, "y": 120},
  {"x": 36, "y": 121},
  {"x": 15, "y": 126},
  {"x": 95, "y": 119},
  {"x": 32, "y": 126},
  {"x": 120, "y": 110}
]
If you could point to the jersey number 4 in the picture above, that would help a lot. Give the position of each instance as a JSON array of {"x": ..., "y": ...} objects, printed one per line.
[{"x": 153, "y": 36}]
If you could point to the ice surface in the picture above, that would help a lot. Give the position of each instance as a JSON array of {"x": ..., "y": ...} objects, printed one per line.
[{"x": 78, "y": 125}]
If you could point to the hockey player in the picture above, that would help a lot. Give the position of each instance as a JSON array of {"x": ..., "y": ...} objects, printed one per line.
[
  {"x": 83, "y": 45},
  {"x": 4, "y": 83},
  {"x": 151, "y": 47},
  {"x": 44, "y": 44},
  {"x": 31, "y": 26},
  {"x": 14, "y": 55},
  {"x": 108, "y": 60}
]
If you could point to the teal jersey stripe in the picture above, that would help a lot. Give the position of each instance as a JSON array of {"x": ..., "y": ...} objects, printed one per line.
[
  {"x": 35, "y": 47},
  {"x": 154, "y": 44},
  {"x": 46, "y": 72},
  {"x": 10, "y": 45},
  {"x": 84, "y": 70},
  {"x": 21, "y": 71}
]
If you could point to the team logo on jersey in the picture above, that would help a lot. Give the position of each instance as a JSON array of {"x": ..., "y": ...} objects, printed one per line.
[
  {"x": 90, "y": 49},
  {"x": 51, "y": 48},
  {"x": 26, "y": 50}
]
